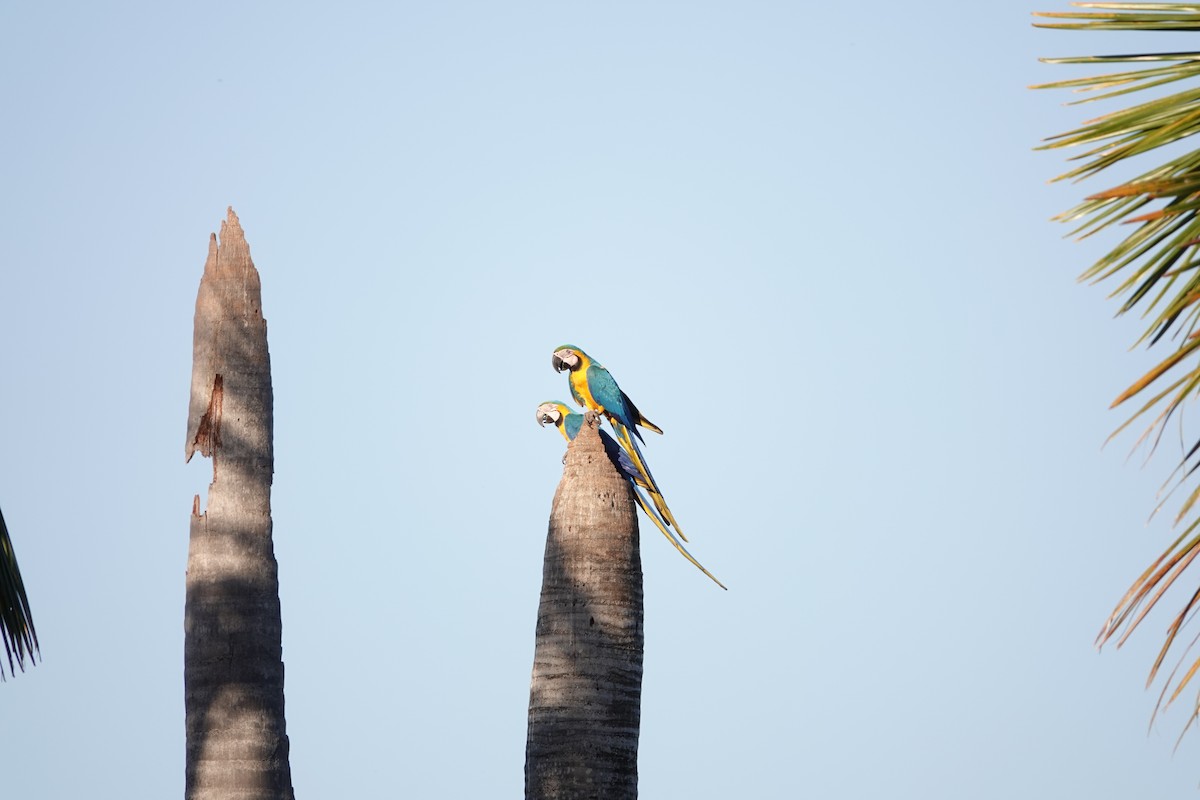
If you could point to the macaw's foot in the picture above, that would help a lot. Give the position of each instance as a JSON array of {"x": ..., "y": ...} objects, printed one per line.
[{"x": 591, "y": 418}]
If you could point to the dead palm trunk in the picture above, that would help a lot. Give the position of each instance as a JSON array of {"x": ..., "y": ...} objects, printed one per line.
[
  {"x": 237, "y": 744},
  {"x": 585, "y": 696}
]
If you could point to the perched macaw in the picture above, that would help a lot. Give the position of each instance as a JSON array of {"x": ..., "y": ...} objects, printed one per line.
[
  {"x": 569, "y": 422},
  {"x": 593, "y": 387}
]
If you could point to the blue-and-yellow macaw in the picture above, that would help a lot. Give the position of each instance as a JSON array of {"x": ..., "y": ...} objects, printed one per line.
[
  {"x": 593, "y": 387},
  {"x": 569, "y": 422}
]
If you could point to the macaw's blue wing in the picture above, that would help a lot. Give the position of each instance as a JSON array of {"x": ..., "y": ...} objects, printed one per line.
[
  {"x": 608, "y": 395},
  {"x": 621, "y": 459},
  {"x": 571, "y": 424}
]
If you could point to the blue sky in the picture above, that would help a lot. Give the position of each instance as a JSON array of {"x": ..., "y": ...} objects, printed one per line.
[{"x": 810, "y": 242}]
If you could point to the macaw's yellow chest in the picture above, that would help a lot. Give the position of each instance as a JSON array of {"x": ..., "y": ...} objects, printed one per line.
[{"x": 579, "y": 387}]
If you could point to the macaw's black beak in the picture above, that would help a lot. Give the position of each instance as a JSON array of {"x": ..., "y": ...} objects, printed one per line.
[
  {"x": 558, "y": 364},
  {"x": 542, "y": 420}
]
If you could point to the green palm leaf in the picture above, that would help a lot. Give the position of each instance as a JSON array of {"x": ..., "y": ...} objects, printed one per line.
[
  {"x": 16, "y": 623},
  {"x": 1156, "y": 265}
]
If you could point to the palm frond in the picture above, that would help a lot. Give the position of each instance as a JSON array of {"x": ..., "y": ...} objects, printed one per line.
[
  {"x": 1156, "y": 265},
  {"x": 16, "y": 622},
  {"x": 1126, "y": 17}
]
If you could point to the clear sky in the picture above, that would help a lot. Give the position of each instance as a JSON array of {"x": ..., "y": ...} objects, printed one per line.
[{"x": 809, "y": 240}]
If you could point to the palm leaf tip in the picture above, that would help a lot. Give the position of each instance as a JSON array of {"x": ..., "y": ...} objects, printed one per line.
[
  {"x": 16, "y": 621},
  {"x": 1127, "y": 16}
]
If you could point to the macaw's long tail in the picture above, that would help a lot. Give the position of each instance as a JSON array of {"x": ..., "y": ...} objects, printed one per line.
[
  {"x": 658, "y": 522},
  {"x": 646, "y": 480},
  {"x": 661, "y": 505}
]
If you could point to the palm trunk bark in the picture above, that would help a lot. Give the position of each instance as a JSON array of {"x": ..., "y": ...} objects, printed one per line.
[
  {"x": 237, "y": 744},
  {"x": 585, "y": 695}
]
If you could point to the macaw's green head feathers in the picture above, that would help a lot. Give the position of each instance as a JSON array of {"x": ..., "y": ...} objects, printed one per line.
[
  {"x": 568, "y": 356},
  {"x": 551, "y": 412}
]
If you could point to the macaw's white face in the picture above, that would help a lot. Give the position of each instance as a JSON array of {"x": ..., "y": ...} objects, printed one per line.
[
  {"x": 548, "y": 413},
  {"x": 564, "y": 359}
]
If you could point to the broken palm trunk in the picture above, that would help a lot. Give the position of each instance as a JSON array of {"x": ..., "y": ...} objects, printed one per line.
[
  {"x": 585, "y": 695},
  {"x": 237, "y": 742}
]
